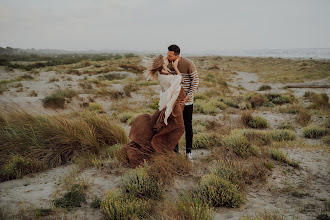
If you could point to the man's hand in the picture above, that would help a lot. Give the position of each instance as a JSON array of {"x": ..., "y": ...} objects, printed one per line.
[{"x": 183, "y": 102}]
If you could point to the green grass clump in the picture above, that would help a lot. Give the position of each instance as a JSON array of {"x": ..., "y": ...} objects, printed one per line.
[
  {"x": 279, "y": 98},
  {"x": 209, "y": 107},
  {"x": 238, "y": 143},
  {"x": 191, "y": 207},
  {"x": 244, "y": 106},
  {"x": 73, "y": 198},
  {"x": 205, "y": 140},
  {"x": 257, "y": 136},
  {"x": 258, "y": 122},
  {"x": 124, "y": 116},
  {"x": 94, "y": 106},
  {"x": 116, "y": 206},
  {"x": 264, "y": 87},
  {"x": 229, "y": 101},
  {"x": 19, "y": 166},
  {"x": 314, "y": 132},
  {"x": 228, "y": 170},
  {"x": 57, "y": 99},
  {"x": 279, "y": 155},
  {"x": 138, "y": 183},
  {"x": 283, "y": 135},
  {"x": 216, "y": 191}
]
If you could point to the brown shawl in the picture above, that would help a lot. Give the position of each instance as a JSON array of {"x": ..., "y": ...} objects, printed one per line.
[{"x": 151, "y": 136}]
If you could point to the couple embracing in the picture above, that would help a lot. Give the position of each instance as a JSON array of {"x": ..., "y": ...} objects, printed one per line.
[{"x": 160, "y": 132}]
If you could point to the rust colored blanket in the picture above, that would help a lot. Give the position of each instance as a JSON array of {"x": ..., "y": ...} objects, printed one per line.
[{"x": 151, "y": 136}]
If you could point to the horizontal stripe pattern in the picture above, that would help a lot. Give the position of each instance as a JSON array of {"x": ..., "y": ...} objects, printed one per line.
[{"x": 190, "y": 82}]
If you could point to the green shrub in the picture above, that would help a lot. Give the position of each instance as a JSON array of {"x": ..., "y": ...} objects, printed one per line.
[
  {"x": 314, "y": 132},
  {"x": 216, "y": 191},
  {"x": 264, "y": 87},
  {"x": 228, "y": 170},
  {"x": 124, "y": 116},
  {"x": 283, "y": 135},
  {"x": 269, "y": 104},
  {"x": 256, "y": 136},
  {"x": 205, "y": 140},
  {"x": 258, "y": 122},
  {"x": 211, "y": 107},
  {"x": 244, "y": 106},
  {"x": 57, "y": 99},
  {"x": 238, "y": 143},
  {"x": 228, "y": 101},
  {"x": 138, "y": 183},
  {"x": 279, "y": 98},
  {"x": 116, "y": 206},
  {"x": 19, "y": 166},
  {"x": 73, "y": 198},
  {"x": 94, "y": 106},
  {"x": 193, "y": 207},
  {"x": 278, "y": 155}
]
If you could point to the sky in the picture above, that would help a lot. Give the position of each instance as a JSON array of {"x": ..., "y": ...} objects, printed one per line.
[{"x": 152, "y": 25}]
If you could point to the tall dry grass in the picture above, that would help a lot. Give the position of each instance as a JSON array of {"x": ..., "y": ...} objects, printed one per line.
[{"x": 56, "y": 139}]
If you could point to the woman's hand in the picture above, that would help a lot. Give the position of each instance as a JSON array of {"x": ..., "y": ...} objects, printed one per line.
[
  {"x": 175, "y": 66},
  {"x": 175, "y": 63}
]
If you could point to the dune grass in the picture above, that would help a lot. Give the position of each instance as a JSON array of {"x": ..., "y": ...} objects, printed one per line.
[
  {"x": 55, "y": 140},
  {"x": 57, "y": 99}
]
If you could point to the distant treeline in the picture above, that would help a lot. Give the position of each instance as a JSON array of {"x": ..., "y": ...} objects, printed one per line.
[{"x": 53, "y": 60}]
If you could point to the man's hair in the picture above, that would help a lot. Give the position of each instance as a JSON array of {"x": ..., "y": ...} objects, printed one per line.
[{"x": 174, "y": 48}]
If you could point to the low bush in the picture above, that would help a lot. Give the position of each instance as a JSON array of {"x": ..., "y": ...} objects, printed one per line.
[
  {"x": 165, "y": 167},
  {"x": 228, "y": 170},
  {"x": 73, "y": 198},
  {"x": 216, "y": 191},
  {"x": 116, "y": 206},
  {"x": 19, "y": 166},
  {"x": 278, "y": 155},
  {"x": 279, "y": 98},
  {"x": 264, "y": 87},
  {"x": 314, "y": 132},
  {"x": 237, "y": 142},
  {"x": 94, "y": 106},
  {"x": 283, "y": 135},
  {"x": 257, "y": 100},
  {"x": 193, "y": 207},
  {"x": 205, "y": 140},
  {"x": 318, "y": 100},
  {"x": 138, "y": 183},
  {"x": 258, "y": 122},
  {"x": 57, "y": 99}
]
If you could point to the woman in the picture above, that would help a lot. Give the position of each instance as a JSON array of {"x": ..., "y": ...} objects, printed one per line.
[{"x": 160, "y": 132}]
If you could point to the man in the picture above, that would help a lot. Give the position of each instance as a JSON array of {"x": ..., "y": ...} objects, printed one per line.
[{"x": 190, "y": 83}]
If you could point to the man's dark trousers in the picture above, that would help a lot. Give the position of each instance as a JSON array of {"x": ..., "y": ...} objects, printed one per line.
[{"x": 187, "y": 118}]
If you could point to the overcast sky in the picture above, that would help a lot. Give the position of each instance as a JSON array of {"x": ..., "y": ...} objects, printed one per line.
[{"x": 195, "y": 25}]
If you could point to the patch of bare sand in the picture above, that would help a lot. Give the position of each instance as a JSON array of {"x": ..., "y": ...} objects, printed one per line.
[{"x": 30, "y": 193}]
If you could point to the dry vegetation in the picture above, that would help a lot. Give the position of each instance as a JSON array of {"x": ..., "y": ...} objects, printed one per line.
[{"x": 241, "y": 138}]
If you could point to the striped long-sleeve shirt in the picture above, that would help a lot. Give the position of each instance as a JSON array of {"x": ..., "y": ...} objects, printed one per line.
[{"x": 190, "y": 79}]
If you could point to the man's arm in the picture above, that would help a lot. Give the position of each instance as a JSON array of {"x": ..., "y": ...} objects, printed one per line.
[{"x": 194, "y": 80}]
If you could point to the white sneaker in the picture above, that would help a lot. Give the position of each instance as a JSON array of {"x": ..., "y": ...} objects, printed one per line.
[{"x": 189, "y": 156}]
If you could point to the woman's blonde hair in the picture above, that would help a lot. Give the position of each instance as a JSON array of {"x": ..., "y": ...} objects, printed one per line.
[{"x": 153, "y": 66}]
